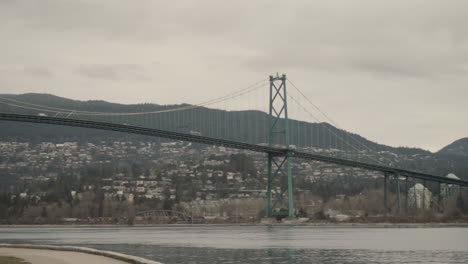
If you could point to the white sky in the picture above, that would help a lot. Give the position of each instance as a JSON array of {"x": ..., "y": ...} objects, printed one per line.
[{"x": 392, "y": 71}]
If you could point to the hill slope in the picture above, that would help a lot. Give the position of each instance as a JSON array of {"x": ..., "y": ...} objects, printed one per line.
[{"x": 458, "y": 147}]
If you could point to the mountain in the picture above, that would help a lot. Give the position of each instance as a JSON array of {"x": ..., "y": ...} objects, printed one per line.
[{"x": 459, "y": 148}]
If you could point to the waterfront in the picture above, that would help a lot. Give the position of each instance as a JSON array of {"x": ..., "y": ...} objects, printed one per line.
[{"x": 260, "y": 244}]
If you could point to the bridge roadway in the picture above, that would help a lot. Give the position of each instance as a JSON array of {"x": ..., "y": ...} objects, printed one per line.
[{"x": 225, "y": 143}]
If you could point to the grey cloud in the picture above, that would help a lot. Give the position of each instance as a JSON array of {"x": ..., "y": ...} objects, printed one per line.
[
  {"x": 113, "y": 72},
  {"x": 124, "y": 20},
  {"x": 38, "y": 71},
  {"x": 416, "y": 38}
]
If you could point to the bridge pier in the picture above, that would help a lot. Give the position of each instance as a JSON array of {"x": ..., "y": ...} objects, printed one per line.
[
  {"x": 269, "y": 212},
  {"x": 439, "y": 197},
  {"x": 424, "y": 196},
  {"x": 279, "y": 165},
  {"x": 291, "y": 211},
  {"x": 397, "y": 177},
  {"x": 460, "y": 196},
  {"x": 385, "y": 194},
  {"x": 406, "y": 195}
]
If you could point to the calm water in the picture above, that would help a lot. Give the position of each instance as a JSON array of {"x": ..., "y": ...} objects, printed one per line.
[{"x": 259, "y": 244}]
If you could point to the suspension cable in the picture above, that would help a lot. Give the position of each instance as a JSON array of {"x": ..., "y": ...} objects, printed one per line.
[
  {"x": 329, "y": 118},
  {"x": 329, "y": 129}
]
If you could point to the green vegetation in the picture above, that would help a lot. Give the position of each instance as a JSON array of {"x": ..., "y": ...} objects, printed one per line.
[
  {"x": 57, "y": 202},
  {"x": 12, "y": 260}
]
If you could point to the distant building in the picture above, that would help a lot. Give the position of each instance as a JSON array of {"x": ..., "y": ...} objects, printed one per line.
[
  {"x": 419, "y": 196},
  {"x": 450, "y": 190}
]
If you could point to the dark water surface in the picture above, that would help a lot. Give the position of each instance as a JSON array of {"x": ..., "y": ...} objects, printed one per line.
[{"x": 260, "y": 244}]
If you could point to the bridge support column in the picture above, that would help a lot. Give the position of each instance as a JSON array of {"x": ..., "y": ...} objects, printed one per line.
[
  {"x": 278, "y": 127},
  {"x": 269, "y": 212},
  {"x": 448, "y": 191},
  {"x": 397, "y": 177},
  {"x": 460, "y": 196},
  {"x": 279, "y": 168},
  {"x": 385, "y": 194},
  {"x": 406, "y": 195},
  {"x": 291, "y": 212},
  {"x": 439, "y": 197},
  {"x": 424, "y": 195}
]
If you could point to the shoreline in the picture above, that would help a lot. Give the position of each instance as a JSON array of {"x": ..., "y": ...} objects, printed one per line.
[{"x": 313, "y": 224}]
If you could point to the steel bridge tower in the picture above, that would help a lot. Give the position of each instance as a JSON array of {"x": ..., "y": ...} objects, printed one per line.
[{"x": 280, "y": 181}]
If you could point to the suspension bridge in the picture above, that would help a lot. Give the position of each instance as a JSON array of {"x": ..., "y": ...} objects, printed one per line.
[{"x": 278, "y": 133}]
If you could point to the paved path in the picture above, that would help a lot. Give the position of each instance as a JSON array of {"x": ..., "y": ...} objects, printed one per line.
[{"x": 43, "y": 256}]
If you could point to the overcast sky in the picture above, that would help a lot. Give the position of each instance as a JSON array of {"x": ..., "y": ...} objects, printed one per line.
[{"x": 395, "y": 72}]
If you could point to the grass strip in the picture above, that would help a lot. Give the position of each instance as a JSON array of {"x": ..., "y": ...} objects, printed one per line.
[{"x": 12, "y": 260}]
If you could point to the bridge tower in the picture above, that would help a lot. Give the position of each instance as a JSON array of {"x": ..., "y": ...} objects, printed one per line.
[{"x": 279, "y": 181}]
